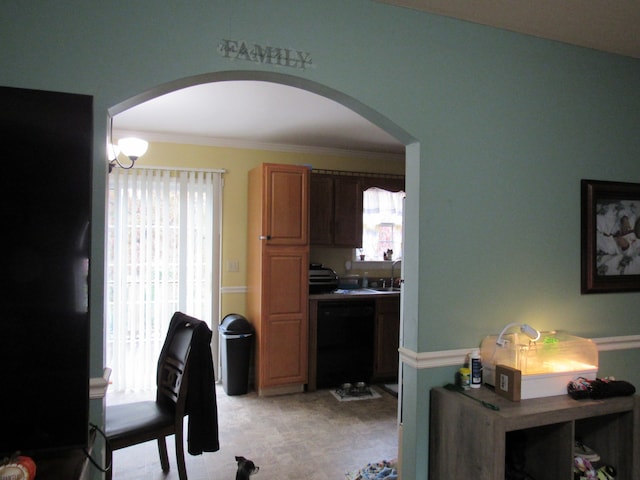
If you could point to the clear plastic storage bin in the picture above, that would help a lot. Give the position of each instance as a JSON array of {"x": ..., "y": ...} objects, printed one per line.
[{"x": 547, "y": 365}]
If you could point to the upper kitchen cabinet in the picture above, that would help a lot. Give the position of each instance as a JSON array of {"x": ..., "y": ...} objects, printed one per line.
[
  {"x": 321, "y": 210},
  {"x": 285, "y": 216},
  {"x": 277, "y": 275},
  {"x": 336, "y": 210},
  {"x": 335, "y": 216},
  {"x": 347, "y": 212}
]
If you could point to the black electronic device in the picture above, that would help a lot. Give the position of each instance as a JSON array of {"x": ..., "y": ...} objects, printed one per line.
[
  {"x": 45, "y": 187},
  {"x": 322, "y": 279}
]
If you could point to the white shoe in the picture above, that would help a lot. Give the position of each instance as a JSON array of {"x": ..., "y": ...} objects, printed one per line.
[{"x": 581, "y": 450}]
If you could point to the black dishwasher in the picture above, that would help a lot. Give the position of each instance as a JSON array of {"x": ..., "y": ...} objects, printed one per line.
[{"x": 345, "y": 342}]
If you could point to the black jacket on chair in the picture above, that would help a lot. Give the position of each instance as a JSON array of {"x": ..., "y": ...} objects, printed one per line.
[{"x": 201, "y": 404}]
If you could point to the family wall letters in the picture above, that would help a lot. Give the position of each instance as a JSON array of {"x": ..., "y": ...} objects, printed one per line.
[{"x": 252, "y": 52}]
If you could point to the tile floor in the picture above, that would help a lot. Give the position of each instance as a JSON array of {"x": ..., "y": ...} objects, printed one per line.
[{"x": 302, "y": 436}]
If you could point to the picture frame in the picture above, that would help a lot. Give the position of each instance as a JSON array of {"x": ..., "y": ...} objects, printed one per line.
[{"x": 610, "y": 236}]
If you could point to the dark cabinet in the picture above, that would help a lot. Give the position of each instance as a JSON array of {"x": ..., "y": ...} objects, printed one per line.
[
  {"x": 321, "y": 210},
  {"x": 383, "y": 348},
  {"x": 387, "y": 339},
  {"x": 336, "y": 210},
  {"x": 347, "y": 212}
]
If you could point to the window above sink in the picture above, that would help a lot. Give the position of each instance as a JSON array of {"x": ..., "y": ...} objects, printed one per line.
[{"x": 382, "y": 226}]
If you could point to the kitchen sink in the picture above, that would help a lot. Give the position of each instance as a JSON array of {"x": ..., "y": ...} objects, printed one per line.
[
  {"x": 369, "y": 291},
  {"x": 357, "y": 291}
]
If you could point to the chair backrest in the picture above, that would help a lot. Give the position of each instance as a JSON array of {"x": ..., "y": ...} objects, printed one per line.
[{"x": 172, "y": 373}]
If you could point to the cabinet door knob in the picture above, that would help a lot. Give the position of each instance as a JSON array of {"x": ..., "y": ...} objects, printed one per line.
[{"x": 264, "y": 237}]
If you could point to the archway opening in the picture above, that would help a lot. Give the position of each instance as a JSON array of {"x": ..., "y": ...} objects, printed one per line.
[{"x": 409, "y": 302}]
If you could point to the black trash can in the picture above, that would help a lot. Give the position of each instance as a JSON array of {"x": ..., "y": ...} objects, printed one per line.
[{"x": 235, "y": 351}]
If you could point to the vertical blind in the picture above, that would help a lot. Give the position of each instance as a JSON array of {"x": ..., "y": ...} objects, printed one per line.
[{"x": 162, "y": 257}]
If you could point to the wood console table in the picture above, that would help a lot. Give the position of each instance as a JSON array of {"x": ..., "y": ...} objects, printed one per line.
[
  {"x": 72, "y": 466},
  {"x": 69, "y": 464},
  {"x": 468, "y": 440}
]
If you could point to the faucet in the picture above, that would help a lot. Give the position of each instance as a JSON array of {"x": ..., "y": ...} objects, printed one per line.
[{"x": 393, "y": 267}]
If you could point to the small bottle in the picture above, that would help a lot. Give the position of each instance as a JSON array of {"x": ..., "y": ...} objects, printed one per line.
[
  {"x": 465, "y": 377},
  {"x": 365, "y": 280},
  {"x": 475, "y": 363}
]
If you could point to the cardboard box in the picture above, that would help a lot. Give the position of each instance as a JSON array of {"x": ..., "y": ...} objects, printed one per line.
[{"x": 508, "y": 382}]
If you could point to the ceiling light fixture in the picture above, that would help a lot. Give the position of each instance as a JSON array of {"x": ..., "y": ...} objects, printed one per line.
[{"x": 131, "y": 147}]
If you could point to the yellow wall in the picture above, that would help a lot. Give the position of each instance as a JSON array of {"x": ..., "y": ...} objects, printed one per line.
[{"x": 237, "y": 162}]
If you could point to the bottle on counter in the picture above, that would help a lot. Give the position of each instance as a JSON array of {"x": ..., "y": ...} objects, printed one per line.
[
  {"x": 464, "y": 375},
  {"x": 475, "y": 365},
  {"x": 365, "y": 280}
]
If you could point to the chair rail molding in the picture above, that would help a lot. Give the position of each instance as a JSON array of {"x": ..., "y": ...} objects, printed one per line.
[
  {"x": 447, "y": 358},
  {"x": 98, "y": 385},
  {"x": 237, "y": 289}
]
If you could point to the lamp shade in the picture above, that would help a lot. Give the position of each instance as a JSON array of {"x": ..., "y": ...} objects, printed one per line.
[
  {"x": 133, "y": 147},
  {"x": 112, "y": 151}
]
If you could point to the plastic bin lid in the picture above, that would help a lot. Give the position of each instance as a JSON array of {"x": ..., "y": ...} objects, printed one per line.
[{"x": 235, "y": 323}]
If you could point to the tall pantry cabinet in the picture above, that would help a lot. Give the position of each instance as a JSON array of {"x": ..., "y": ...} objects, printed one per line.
[{"x": 277, "y": 275}]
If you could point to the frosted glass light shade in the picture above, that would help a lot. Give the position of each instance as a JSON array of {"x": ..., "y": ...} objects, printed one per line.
[
  {"x": 133, "y": 147},
  {"x": 112, "y": 151}
]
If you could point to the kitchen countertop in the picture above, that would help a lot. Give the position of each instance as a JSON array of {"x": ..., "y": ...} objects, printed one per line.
[{"x": 354, "y": 294}]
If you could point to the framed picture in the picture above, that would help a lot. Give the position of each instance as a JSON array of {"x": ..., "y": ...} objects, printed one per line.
[{"x": 610, "y": 224}]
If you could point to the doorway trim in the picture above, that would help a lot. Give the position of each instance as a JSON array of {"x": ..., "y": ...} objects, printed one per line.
[{"x": 409, "y": 327}]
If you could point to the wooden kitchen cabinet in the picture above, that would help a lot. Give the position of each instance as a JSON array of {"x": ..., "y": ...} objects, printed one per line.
[
  {"x": 321, "y": 210},
  {"x": 387, "y": 338},
  {"x": 468, "y": 440},
  {"x": 284, "y": 215},
  {"x": 347, "y": 212},
  {"x": 277, "y": 275},
  {"x": 336, "y": 210}
]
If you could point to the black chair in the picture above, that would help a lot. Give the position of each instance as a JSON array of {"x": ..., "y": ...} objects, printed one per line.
[{"x": 133, "y": 423}]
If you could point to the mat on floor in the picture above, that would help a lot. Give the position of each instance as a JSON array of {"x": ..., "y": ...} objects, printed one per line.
[
  {"x": 338, "y": 394},
  {"x": 391, "y": 388},
  {"x": 383, "y": 470}
]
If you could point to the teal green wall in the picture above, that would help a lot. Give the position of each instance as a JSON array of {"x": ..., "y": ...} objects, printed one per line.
[{"x": 501, "y": 128}]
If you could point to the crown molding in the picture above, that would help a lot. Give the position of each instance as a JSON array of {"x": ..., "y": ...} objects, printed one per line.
[{"x": 188, "y": 139}]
